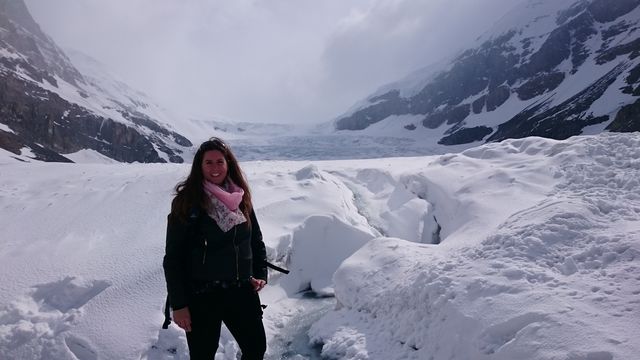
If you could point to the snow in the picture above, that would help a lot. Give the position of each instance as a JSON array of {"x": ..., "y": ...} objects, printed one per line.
[
  {"x": 510, "y": 108},
  {"x": 587, "y": 74},
  {"x": 73, "y": 94},
  {"x": 613, "y": 95},
  {"x": 410, "y": 85},
  {"x": 556, "y": 279},
  {"x": 6, "y": 128},
  {"x": 532, "y": 17},
  {"x": 537, "y": 31},
  {"x": 88, "y": 156},
  {"x": 374, "y": 141},
  {"x": 626, "y": 36},
  {"x": 108, "y": 92},
  {"x": 7, "y": 157},
  {"x": 27, "y": 152},
  {"x": 525, "y": 249},
  {"x": 529, "y": 22},
  {"x": 104, "y": 94},
  {"x": 5, "y": 53}
]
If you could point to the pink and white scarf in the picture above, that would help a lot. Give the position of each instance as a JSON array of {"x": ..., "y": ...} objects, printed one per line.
[{"x": 223, "y": 206}]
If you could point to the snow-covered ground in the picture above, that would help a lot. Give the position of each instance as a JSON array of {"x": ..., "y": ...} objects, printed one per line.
[{"x": 526, "y": 249}]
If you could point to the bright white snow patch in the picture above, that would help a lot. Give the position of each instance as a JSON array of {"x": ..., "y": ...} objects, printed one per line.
[
  {"x": 6, "y": 128},
  {"x": 88, "y": 156},
  {"x": 27, "y": 152}
]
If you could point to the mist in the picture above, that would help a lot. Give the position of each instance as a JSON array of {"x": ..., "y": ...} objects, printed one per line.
[{"x": 277, "y": 61}]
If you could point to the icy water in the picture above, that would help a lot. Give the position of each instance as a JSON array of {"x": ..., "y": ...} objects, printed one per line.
[
  {"x": 331, "y": 147},
  {"x": 293, "y": 342}
]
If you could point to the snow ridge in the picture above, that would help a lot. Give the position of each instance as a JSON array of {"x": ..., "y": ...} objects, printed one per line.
[
  {"x": 536, "y": 258},
  {"x": 547, "y": 278}
]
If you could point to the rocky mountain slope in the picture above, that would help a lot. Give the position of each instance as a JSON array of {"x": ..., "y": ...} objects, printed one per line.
[
  {"x": 48, "y": 108},
  {"x": 550, "y": 68}
]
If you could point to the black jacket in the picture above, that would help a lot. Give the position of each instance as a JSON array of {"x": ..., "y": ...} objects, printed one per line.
[{"x": 199, "y": 251}]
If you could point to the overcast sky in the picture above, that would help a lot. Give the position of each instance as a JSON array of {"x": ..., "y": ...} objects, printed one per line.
[{"x": 284, "y": 61}]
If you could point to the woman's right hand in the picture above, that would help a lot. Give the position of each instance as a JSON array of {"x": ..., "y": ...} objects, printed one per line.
[{"x": 182, "y": 318}]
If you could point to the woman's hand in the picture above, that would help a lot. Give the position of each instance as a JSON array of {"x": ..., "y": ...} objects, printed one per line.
[
  {"x": 182, "y": 318},
  {"x": 257, "y": 284}
]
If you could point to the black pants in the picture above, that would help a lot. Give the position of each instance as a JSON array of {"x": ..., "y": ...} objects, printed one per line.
[{"x": 239, "y": 309}]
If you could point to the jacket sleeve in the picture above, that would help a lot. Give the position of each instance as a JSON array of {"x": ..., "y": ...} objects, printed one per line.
[
  {"x": 258, "y": 249},
  {"x": 174, "y": 263}
]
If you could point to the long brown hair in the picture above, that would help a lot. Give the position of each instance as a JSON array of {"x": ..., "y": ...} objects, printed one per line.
[{"x": 190, "y": 194}]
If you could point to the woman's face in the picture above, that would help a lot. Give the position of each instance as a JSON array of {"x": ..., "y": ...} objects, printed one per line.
[{"x": 214, "y": 167}]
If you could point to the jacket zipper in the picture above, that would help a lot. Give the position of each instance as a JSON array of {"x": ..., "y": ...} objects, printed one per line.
[
  {"x": 235, "y": 247},
  {"x": 204, "y": 256}
]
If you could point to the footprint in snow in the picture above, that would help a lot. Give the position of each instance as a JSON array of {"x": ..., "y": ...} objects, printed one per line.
[
  {"x": 69, "y": 293},
  {"x": 37, "y": 326}
]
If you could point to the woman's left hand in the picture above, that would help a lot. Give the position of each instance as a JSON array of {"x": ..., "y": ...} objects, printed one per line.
[{"x": 257, "y": 284}]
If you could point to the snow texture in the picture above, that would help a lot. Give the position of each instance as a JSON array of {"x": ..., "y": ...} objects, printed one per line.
[
  {"x": 525, "y": 249},
  {"x": 554, "y": 279}
]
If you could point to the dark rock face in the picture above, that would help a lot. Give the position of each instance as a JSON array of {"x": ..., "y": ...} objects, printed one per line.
[
  {"x": 540, "y": 85},
  {"x": 497, "y": 97},
  {"x": 469, "y": 76},
  {"x": 628, "y": 119},
  {"x": 466, "y": 135},
  {"x": 634, "y": 75},
  {"x": 582, "y": 29},
  {"x": 478, "y": 105},
  {"x": 607, "y": 10},
  {"x": 51, "y": 126},
  {"x": 631, "y": 48},
  {"x": 60, "y": 127},
  {"x": 562, "y": 121},
  {"x": 553, "y": 51},
  {"x": 144, "y": 120},
  {"x": 511, "y": 63},
  {"x": 451, "y": 115},
  {"x": 614, "y": 31},
  {"x": 23, "y": 36},
  {"x": 13, "y": 143},
  {"x": 385, "y": 105},
  {"x": 492, "y": 100},
  {"x": 573, "y": 10},
  {"x": 633, "y": 79}
]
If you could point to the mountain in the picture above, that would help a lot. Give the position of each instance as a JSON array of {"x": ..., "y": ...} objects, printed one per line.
[
  {"x": 50, "y": 108},
  {"x": 550, "y": 68}
]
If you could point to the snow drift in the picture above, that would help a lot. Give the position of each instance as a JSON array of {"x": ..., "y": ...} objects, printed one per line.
[
  {"x": 525, "y": 249},
  {"x": 545, "y": 265}
]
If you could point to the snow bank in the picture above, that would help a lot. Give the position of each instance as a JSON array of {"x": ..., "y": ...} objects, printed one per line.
[
  {"x": 82, "y": 244},
  {"x": 523, "y": 249},
  {"x": 555, "y": 279},
  {"x": 318, "y": 248}
]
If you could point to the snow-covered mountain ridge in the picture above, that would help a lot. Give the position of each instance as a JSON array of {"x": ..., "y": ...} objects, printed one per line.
[
  {"x": 551, "y": 68},
  {"x": 49, "y": 109}
]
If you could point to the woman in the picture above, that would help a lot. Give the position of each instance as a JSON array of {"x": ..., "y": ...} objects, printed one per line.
[{"x": 215, "y": 258}]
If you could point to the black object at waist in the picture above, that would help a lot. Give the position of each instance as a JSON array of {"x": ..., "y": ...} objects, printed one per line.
[{"x": 210, "y": 286}]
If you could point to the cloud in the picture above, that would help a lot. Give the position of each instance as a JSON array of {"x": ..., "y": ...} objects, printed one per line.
[
  {"x": 265, "y": 60},
  {"x": 392, "y": 38}
]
